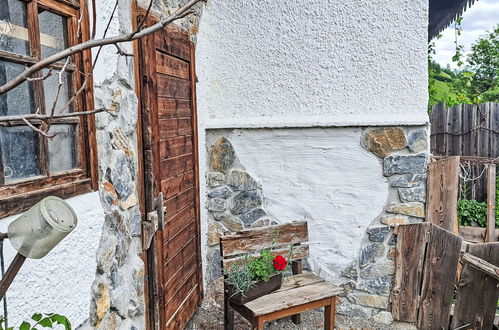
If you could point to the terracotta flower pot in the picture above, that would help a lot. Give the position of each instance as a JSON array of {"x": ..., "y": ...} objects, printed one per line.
[{"x": 260, "y": 288}]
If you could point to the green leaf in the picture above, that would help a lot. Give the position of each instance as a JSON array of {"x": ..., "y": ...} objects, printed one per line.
[
  {"x": 36, "y": 317},
  {"x": 46, "y": 322},
  {"x": 59, "y": 319},
  {"x": 25, "y": 326}
]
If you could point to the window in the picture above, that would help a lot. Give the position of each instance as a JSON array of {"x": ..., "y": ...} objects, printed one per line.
[{"x": 33, "y": 166}]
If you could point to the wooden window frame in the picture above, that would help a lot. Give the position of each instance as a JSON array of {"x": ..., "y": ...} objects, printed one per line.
[{"x": 20, "y": 195}]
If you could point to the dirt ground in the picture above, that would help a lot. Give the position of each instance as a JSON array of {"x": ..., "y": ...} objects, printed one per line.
[{"x": 210, "y": 316}]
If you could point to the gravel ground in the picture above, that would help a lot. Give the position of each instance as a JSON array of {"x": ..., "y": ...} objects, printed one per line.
[{"x": 210, "y": 316}]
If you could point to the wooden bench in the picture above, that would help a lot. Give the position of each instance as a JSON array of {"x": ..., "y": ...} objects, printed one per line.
[{"x": 299, "y": 293}]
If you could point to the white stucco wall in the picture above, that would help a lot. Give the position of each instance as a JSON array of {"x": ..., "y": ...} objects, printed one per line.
[
  {"x": 317, "y": 63},
  {"x": 61, "y": 281},
  {"x": 321, "y": 175},
  {"x": 297, "y": 80}
]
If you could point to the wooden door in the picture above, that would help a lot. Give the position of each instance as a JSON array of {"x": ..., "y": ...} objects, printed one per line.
[{"x": 170, "y": 167}]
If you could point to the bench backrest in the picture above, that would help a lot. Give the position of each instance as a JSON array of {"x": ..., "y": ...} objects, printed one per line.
[{"x": 235, "y": 246}]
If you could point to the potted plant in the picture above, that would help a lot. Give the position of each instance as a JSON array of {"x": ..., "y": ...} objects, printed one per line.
[{"x": 251, "y": 278}]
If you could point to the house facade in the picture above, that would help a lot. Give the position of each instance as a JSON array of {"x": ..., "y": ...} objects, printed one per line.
[{"x": 243, "y": 114}]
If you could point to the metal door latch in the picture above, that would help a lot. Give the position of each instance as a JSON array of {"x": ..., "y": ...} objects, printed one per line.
[{"x": 153, "y": 223}]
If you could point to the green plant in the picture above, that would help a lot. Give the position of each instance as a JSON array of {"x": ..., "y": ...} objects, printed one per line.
[
  {"x": 244, "y": 273},
  {"x": 471, "y": 213},
  {"x": 239, "y": 276},
  {"x": 40, "y": 320},
  {"x": 262, "y": 268}
]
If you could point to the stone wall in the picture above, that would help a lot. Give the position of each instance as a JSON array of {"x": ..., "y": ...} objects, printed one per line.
[
  {"x": 404, "y": 154},
  {"x": 118, "y": 288},
  {"x": 235, "y": 200}
]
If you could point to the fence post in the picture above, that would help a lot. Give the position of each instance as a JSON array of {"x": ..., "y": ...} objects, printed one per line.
[
  {"x": 443, "y": 187},
  {"x": 491, "y": 203}
]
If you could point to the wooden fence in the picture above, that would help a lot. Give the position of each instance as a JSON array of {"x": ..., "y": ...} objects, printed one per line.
[
  {"x": 443, "y": 192},
  {"x": 470, "y": 131},
  {"x": 465, "y": 130},
  {"x": 428, "y": 260}
]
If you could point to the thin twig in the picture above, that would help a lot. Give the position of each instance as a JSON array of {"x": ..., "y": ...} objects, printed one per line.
[
  {"x": 94, "y": 20},
  {"x": 38, "y": 130},
  {"x": 143, "y": 21},
  {"x": 122, "y": 52},
  {"x": 180, "y": 13},
  {"x": 48, "y": 74}
]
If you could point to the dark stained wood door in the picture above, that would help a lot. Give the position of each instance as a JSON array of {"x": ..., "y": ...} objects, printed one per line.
[{"x": 169, "y": 143}]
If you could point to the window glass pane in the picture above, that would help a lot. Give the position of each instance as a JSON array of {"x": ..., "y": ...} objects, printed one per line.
[
  {"x": 53, "y": 32},
  {"x": 18, "y": 100},
  {"x": 19, "y": 152},
  {"x": 62, "y": 148},
  {"x": 51, "y": 84},
  {"x": 13, "y": 27}
]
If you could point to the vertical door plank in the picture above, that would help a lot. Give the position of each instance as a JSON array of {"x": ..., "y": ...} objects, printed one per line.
[
  {"x": 411, "y": 244},
  {"x": 477, "y": 293},
  {"x": 439, "y": 272},
  {"x": 491, "y": 203},
  {"x": 443, "y": 186}
]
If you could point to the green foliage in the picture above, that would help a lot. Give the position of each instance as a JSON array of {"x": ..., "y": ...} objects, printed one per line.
[
  {"x": 476, "y": 82},
  {"x": 239, "y": 276},
  {"x": 262, "y": 268},
  {"x": 471, "y": 213},
  {"x": 39, "y": 320},
  {"x": 483, "y": 60},
  {"x": 243, "y": 274}
]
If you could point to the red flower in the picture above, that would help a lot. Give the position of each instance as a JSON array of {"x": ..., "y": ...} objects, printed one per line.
[{"x": 280, "y": 263}]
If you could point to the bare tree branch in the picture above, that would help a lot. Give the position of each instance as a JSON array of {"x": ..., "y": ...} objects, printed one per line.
[
  {"x": 35, "y": 116},
  {"x": 180, "y": 13}
]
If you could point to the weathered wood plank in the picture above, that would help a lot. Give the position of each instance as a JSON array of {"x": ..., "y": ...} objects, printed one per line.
[
  {"x": 411, "y": 243},
  {"x": 494, "y": 125},
  {"x": 172, "y": 66},
  {"x": 467, "y": 139},
  {"x": 439, "y": 272},
  {"x": 491, "y": 203},
  {"x": 477, "y": 293},
  {"x": 475, "y": 234},
  {"x": 257, "y": 239},
  {"x": 296, "y": 281},
  {"x": 443, "y": 187},
  {"x": 174, "y": 41},
  {"x": 453, "y": 147},
  {"x": 299, "y": 252},
  {"x": 174, "y": 88},
  {"x": 277, "y": 301},
  {"x": 172, "y": 108},
  {"x": 440, "y": 129}
]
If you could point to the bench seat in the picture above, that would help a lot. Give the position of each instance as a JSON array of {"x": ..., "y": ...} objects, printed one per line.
[{"x": 296, "y": 290}]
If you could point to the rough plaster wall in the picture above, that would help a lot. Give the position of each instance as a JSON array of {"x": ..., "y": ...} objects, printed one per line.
[
  {"x": 60, "y": 282},
  {"x": 263, "y": 63},
  {"x": 322, "y": 175}
]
